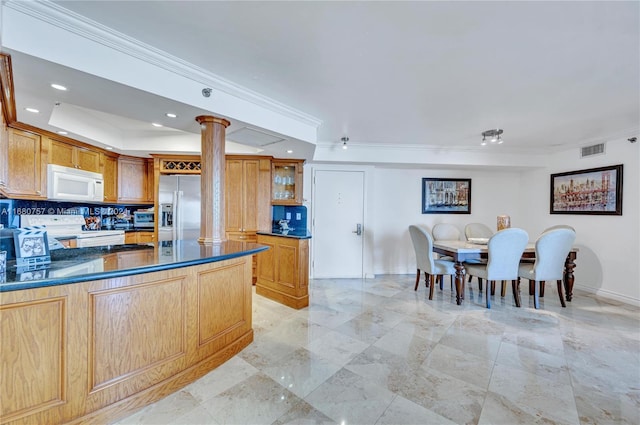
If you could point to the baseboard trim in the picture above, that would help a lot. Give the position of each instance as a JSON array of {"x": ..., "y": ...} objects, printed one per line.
[{"x": 609, "y": 295}]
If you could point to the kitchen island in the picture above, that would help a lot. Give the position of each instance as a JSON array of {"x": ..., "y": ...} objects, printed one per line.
[
  {"x": 103, "y": 331},
  {"x": 283, "y": 270}
]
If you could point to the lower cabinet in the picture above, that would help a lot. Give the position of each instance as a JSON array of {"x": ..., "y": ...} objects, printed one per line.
[
  {"x": 283, "y": 270},
  {"x": 139, "y": 237},
  {"x": 92, "y": 352}
]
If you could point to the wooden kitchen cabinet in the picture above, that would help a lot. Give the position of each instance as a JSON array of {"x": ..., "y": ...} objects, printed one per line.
[
  {"x": 139, "y": 237},
  {"x": 4, "y": 142},
  {"x": 25, "y": 171},
  {"x": 286, "y": 181},
  {"x": 133, "y": 180},
  {"x": 247, "y": 207},
  {"x": 110, "y": 174},
  {"x": 68, "y": 155},
  {"x": 283, "y": 270}
]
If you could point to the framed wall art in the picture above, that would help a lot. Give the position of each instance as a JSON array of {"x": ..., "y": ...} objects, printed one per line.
[
  {"x": 596, "y": 191},
  {"x": 446, "y": 196}
]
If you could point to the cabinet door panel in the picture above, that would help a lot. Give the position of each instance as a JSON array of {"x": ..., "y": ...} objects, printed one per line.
[
  {"x": 61, "y": 154},
  {"x": 88, "y": 160},
  {"x": 250, "y": 200},
  {"x": 24, "y": 166},
  {"x": 233, "y": 195},
  {"x": 110, "y": 173}
]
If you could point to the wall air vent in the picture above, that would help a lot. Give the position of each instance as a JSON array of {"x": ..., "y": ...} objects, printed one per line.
[{"x": 592, "y": 150}]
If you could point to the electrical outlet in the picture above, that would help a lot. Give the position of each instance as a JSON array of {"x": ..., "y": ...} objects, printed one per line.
[
  {"x": 298, "y": 216},
  {"x": 288, "y": 215}
]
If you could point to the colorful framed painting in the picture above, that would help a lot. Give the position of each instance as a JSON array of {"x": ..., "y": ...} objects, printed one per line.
[
  {"x": 596, "y": 191},
  {"x": 446, "y": 196}
]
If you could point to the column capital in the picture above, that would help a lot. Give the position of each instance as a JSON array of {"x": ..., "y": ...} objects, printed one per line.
[{"x": 204, "y": 119}]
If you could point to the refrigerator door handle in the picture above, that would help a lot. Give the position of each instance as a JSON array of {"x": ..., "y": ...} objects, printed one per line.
[{"x": 177, "y": 214}]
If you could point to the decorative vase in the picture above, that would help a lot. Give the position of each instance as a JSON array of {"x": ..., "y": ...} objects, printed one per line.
[{"x": 504, "y": 222}]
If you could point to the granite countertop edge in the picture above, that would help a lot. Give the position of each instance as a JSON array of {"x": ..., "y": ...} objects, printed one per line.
[
  {"x": 147, "y": 268},
  {"x": 292, "y": 234}
]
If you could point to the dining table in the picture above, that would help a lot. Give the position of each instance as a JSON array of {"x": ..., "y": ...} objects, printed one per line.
[{"x": 462, "y": 251}]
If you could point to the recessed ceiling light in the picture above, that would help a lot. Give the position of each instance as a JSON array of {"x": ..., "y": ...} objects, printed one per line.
[
  {"x": 170, "y": 115},
  {"x": 59, "y": 87},
  {"x": 108, "y": 148},
  {"x": 289, "y": 151},
  {"x": 62, "y": 132},
  {"x": 35, "y": 111},
  {"x": 155, "y": 124}
]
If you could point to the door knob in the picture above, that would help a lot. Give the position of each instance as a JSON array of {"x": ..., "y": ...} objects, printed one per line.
[{"x": 358, "y": 230}]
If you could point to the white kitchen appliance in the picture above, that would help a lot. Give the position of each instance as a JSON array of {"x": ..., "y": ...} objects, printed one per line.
[
  {"x": 60, "y": 226},
  {"x": 72, "y": 184},
  {"x": 179, "y": 196}
]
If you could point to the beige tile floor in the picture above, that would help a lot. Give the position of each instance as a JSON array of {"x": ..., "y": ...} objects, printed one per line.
[{"x": 376, "y": 352}]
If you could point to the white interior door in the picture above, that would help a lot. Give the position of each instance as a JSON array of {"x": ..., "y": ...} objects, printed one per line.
[{"x": 338, "y": 210}]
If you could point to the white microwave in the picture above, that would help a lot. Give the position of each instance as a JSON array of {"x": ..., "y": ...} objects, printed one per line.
[{"x": 71, "y": 184}]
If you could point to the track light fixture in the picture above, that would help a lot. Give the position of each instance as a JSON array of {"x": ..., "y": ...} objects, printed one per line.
[
  {"x": 494, "y": 135},
  {"x": 344, "y": 142}
]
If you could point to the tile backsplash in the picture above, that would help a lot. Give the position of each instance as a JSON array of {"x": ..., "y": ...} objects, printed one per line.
[
  {"x": 12, "y": 209},
  {"x": 297, "y": 216}
]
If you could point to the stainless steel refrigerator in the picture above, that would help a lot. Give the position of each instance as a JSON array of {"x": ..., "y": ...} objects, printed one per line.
[{"x": 179, "y": 215}]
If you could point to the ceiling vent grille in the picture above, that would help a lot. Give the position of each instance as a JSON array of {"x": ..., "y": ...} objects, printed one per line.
[{"x": 592, "y": 150}]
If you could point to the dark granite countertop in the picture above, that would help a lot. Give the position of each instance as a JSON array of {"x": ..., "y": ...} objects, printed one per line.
[
  {"x": 75, "y": 265},
  {"x": 296, "y": 234}
]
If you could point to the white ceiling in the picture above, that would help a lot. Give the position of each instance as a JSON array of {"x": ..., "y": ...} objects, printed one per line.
[{"x": 437, "y": 74}]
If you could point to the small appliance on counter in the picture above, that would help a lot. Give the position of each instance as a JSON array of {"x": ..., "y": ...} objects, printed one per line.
[{"x": 144, "y": 218}]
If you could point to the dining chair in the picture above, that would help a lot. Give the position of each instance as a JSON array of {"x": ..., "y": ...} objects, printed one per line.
[
  {"x": 505, "y": 249},
  {"x": 445, "y": 232},
  {"x": 531, "y": 283},
  {"x": 425, "y": 261},
  {"x": 552, "y": 248},
  {"x": 477, "y": 230}
]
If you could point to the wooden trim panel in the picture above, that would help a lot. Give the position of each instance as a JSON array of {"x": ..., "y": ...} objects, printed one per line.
[{"x": 95, "y": 351}]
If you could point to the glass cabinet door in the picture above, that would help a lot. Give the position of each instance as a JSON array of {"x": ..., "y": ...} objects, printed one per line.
[{"x": 286, "y": 182}]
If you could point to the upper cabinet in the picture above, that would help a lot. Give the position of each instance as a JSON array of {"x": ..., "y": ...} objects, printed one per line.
[
  {"x": 68, "y": 155},
  {"x": 110, "y": 174},
  {"x": 247, "y": 196},
  {"x": 135, "y": 183},
  {"x": 286, "y": 182},
  {"x": 24, "y": 169}
]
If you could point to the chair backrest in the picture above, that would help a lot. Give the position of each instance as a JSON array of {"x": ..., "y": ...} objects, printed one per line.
[
  {"x": 477, "y": 230},
  {"x": 505, "y": 250},
  {"x": 552, "y": 248},
  {"x": 559, "y": 226},
  {"x": 445, "y": 232},
  {"x": 423, "y": 246}
]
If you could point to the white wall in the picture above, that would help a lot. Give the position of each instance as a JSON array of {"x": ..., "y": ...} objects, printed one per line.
[
  {"x": 397, "y": 204},
  {"x": 607, "y": 262}
]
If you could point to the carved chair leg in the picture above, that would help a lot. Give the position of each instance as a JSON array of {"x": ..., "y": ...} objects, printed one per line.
[
  {"x": 560, "y": 294},
  {"x": 432, "y": 283},
  {"x": 542, "y": 289},
  {"x": 515, "y": 287},
  {"x": 493, "y": 287},
  {"x": 531, "y": 287},
  {"x": 417, "y": 280},
  {"x": 503, "y": 292},
  {"x": 479, "y": 284},
  {"x": 426, "y": 279},
  {"x": 536, "y": 291},
  {"x": 441, "y": 279}
]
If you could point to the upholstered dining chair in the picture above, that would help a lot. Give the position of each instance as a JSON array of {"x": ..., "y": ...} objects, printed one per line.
[
  {"x": 505, "y": 250},
  {"x": 552, "y": 248},
  {"x": 531, "y": 260},
  {"x": 423, "y": 246},
  {"x": 445, "y": 232},
  {"x": 477, "y": 230}
]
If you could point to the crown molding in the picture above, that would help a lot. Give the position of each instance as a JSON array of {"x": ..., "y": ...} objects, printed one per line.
[{"x": 60, "y": 17}]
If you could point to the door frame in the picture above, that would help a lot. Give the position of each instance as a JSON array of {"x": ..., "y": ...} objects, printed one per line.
[{"x": 368, "y": 235}]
